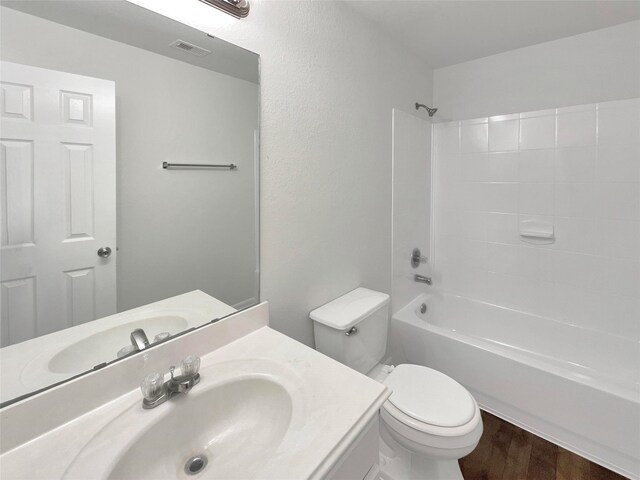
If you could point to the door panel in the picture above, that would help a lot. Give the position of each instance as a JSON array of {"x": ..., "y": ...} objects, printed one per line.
[
  {"x": 17, "y": 193},
  {"x": 78, "y": 173},
  {"x": 19, "y": 309}
]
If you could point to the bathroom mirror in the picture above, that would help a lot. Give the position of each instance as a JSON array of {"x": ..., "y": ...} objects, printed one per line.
[{"x": 129, "y": 184}]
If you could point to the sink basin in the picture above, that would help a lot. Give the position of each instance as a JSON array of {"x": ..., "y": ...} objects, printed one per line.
[
  {"x": 228, "y": 430},
  {"x": 103, "y": 346}
]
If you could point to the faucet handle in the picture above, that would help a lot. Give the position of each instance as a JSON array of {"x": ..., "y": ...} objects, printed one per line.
[
  {"x": 417, "y": 258},
  {"x": 152, "y": 386},
  {"x": 190, "y": 366},
  {"x": 161, "y": 337}
]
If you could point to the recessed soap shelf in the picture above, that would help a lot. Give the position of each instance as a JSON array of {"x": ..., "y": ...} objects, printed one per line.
[
  {"x": 534, "y": 234},
  {"x": 536, "y": 231}
]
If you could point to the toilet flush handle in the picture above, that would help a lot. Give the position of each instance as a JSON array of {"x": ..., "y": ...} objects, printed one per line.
[{"x": 351, "y": 331}]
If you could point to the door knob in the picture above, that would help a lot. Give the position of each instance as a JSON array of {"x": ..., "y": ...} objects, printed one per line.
[{"x": 104, "y": 252}]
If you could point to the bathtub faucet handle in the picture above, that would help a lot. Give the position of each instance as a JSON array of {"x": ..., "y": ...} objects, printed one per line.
[{"x": 417, "y": 258}]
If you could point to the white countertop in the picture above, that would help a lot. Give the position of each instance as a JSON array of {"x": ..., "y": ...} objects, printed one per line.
[{"x": 333, "y": 403}]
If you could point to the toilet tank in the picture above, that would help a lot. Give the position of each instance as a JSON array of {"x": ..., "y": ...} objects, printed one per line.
[{"x": 352, "y": 329}]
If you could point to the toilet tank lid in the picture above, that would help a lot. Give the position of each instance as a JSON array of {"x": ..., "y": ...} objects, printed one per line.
[{"x": 344, "y": 312}]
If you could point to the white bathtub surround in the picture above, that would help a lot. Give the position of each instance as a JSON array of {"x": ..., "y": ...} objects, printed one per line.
[
  {"x": 411, "y": 204},
  {"x": 575, "y": 387},
  {"x": 45, "y": 360},
  {"x": 321, "y": 406},
  {"x": 559, "y": 308},
  {"x": 572, "y": 174}
]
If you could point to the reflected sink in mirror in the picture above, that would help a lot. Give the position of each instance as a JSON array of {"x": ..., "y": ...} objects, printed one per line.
[
  {"x": 230, "y": 425},
  {"x": 42, "y": 361},
  {"x": 95, "y": 349}
]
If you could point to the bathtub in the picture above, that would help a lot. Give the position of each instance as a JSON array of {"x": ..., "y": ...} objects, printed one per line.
[{"x": 576, "y": 387}]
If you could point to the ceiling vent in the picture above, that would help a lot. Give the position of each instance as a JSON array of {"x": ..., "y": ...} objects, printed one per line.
[{"x": 190, "y": 48}]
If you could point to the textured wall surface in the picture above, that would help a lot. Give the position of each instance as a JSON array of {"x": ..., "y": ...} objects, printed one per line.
[
  {"x": 328, "y": 83},
  {"x": 592, "y": 67}
]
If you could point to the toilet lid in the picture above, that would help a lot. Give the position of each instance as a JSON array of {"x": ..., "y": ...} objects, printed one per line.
[{"x": 430, "y": 396}]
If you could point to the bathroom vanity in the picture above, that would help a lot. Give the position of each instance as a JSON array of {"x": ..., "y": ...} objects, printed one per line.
[{"x": 265, "y": 407}]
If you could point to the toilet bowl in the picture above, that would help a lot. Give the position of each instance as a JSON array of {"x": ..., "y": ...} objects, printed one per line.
[
  {"x": 430, "y": 420},
  {"x": 430, "y": 413}
]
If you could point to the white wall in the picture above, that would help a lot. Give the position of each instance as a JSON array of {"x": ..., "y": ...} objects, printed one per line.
[
  {"x": 177, "y": 230},
  {"x": 576, "y": 169},
  {"x": 592, "y": 67},
  {"x": 328, "y": 83}
]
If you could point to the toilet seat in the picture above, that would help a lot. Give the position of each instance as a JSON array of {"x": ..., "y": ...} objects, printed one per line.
[
  {"x": 429, "y": 397},
  {"x": 444, "y": 423}
]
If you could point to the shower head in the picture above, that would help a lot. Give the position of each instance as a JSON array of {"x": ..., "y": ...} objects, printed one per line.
[{"x": 430, "y": 110}]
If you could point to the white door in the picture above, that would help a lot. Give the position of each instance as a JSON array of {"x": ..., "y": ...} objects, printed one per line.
[{"x": 58, "y": 202}]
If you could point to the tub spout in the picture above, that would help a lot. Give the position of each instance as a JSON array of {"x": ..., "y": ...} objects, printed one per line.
[{"x": 422, "y": 279}]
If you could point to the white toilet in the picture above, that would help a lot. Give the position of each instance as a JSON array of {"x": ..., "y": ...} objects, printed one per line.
[{"x": 430, "y": 420}]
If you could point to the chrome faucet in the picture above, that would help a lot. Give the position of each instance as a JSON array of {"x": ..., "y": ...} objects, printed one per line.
[
  {"x": 422, "y": 279},
  {"x": 417, "y": 258},
  {"x": 139, "y": 339},
  {"x": 155, "y": 392}
]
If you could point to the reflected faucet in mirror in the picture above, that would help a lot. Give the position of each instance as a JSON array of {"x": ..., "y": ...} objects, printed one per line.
[{"x": 139, "y": 339}]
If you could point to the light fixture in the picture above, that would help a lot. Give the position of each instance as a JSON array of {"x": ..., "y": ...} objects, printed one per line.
[{"x": 237, "y": 8}]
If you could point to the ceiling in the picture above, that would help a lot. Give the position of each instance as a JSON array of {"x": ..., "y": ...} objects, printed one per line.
[{"x": 449, "y": 32}]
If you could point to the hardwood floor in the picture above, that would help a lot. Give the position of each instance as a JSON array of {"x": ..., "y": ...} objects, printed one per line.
[{"x": 506, "y": 452}]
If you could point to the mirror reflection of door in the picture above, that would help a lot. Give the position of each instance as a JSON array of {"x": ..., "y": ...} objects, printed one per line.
[{"x": 58, "y": 193}]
